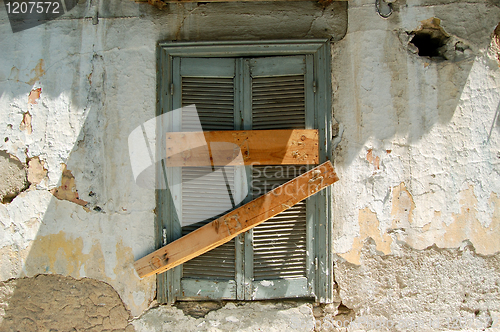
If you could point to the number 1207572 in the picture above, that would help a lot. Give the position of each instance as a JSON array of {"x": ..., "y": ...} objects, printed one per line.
[{"x": 31, "y": 7}]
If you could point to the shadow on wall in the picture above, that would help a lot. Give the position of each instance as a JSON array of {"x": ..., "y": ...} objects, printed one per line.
[
  {"x": 97, "y": 230},
  {"x": 72, "y": 107},
  {"x": 66, "y": 123},
  {"x": 404, "y": 87}
]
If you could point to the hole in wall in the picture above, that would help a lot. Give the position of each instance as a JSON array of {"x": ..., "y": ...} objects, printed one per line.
[
  {"x": 430, "y": 39},
  {"x": 429, "y": 43}
]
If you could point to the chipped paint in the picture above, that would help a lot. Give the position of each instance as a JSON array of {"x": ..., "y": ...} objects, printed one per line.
[
  {"x": 495, "y": 44},
  {"x": 402, "y": 206},
  {"x": 417, "y": 158},
  {"x": 34, "y": 96},
  {"x": 464, "y": 225},
  {"x": 67, "y": 189},
  {"x": 369, "y": 228},
  {"x": 375, "y": 161},
  {"x": 64, "y": 254},
  {"x": 36, "y": 171},
  {"x": 26, "y": 123}
]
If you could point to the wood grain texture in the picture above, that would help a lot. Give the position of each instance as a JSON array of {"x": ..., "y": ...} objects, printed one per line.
[
  {"x": 240, "y": 220},
  {"x": 244, "y": 147}
]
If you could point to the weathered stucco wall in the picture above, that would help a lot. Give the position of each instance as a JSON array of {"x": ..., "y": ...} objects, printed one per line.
[
  {"x": 71, "y": 91},
  {"x": 416, "y": 152},
  {"x": 419, "y": 151},
  {"x": 418, "y": 165}
]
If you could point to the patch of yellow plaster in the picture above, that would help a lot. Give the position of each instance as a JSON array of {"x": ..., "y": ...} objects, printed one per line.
[
  {"x": 128, "y": 284},
  {"x": 467, "y": 226},
  {"x": 55, "y": 253},
  {"x": 402, "y": 206},
  {"x": 369, "y": 227},
  {"x": 59, "y": 253}
]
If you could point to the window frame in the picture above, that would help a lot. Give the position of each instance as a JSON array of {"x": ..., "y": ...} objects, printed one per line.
[{"x": 320, "y": 49}]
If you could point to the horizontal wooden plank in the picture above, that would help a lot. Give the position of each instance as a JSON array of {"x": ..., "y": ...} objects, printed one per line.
[
  {"x": 264, "y": 147},
  {"x": 240, "y": 220}
]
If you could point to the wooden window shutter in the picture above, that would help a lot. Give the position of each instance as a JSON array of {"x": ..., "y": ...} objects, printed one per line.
[
  {"x": 209, "y": 84},
  {"x": 243, "y": 86},
  {"x": 281, "y": 245}
]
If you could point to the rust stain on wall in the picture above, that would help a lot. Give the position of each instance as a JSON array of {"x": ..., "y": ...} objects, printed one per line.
[
  {"x": 157, "y": 3},
  {"x": 67, "y": 189},
  {"x": 14, "y": 74},
  {"x": 38, "y": 71},
  {"x": 374, "y": 160}
]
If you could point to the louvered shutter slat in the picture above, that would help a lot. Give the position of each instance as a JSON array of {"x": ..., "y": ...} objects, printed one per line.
[
  {"x": 278, "y": 102},
  {"x": 214, "y": 100}
]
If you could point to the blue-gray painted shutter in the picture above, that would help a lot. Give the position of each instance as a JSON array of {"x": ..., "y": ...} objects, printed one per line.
[
  {"x": 207, "y": 83},
  {"x": 281, "y": 245}
]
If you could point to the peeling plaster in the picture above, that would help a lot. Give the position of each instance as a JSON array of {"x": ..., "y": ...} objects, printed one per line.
[
  {"x": 36, "y": 172},
  {"x": 369, "y": 229},
  {"x": 34, "y": 96},
  {"x": 67, "y": 189},
  {"x": 431, "y": 124},
  {"x": 452, "y": 289},
  {"x": 59, "y": 303},
  {"x": 12, "y": 177},
  {"x": 64, "y": 254},
  {"x": 495, "y": 44},
  {"x": 416, "y": 147},
  {"x": 26, "y": 123}
]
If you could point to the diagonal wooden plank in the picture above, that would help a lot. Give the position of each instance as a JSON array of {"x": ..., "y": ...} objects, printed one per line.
[
  {"x": 240, "y": 220},
  {"x": 242, "y": 147}
]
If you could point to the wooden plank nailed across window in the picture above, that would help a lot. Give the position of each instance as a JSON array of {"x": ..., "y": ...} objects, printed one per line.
[
  {"x": 240, "y": 220},
  {"x": 245, "y": 147}
]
